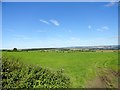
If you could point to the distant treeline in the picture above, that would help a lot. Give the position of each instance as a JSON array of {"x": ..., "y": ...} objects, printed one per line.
[
  {"x": 39, "y": 49},
  {"x": 84, "y": 48},
  {"x": 63, "y": 49}
]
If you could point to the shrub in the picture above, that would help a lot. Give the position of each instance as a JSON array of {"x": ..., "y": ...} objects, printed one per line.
[
  {"x": 15, "y": 49},
  {"x": 18, "y": 75}
]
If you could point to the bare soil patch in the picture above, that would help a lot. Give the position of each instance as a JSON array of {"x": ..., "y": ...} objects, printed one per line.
[{"x": 106, "y": 78}]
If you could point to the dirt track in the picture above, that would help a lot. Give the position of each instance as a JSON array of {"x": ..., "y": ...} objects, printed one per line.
[{"x": 106, "y": 78}]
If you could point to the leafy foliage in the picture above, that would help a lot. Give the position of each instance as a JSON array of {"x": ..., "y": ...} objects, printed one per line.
[
  {"x": 15, "y": 49},
  {"x": 19, "y": 75}
]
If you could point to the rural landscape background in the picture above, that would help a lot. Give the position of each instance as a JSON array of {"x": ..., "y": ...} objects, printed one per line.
[{"x": 60, "y": 45}]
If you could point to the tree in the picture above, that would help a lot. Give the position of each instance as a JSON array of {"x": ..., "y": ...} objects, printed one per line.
[{"x": 15, "y": 49}]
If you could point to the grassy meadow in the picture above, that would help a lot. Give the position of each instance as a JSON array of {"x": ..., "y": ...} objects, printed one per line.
[{"x": 82, "y": 67}]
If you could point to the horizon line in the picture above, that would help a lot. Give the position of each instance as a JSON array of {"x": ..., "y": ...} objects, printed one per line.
[{"x": 60, "y": 47}]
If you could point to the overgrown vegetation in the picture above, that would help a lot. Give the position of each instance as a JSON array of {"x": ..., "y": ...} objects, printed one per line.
[
  {"x": 81, "y": 67},
  {"x": 19, "y": 75}
]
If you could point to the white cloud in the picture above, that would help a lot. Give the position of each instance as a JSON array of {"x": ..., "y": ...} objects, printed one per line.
[
  {"x": 89, "y": 26},
  {"x": 110, "y": 4},
  {"x": 55, "y": 22},
  {"x": 43, "y": 21},
  {"x": 104, "y": 28}
]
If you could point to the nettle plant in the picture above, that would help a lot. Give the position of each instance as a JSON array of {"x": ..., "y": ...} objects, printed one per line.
[{"x": 18, "y": 75}]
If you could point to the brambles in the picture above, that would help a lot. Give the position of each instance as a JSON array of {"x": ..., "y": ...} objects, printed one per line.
[{"x": 19, "y": 75}]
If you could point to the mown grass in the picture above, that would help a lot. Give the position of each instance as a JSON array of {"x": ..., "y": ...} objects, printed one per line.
[{"x": 79, "y": 66}]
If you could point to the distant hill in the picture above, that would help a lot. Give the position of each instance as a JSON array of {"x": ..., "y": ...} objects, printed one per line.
[
  {"x": 105, "y": 47},
  {"x": 102, "y": 47}
]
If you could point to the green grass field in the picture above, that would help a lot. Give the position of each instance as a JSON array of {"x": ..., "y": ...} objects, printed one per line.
[{"x": 81, "y": 67}]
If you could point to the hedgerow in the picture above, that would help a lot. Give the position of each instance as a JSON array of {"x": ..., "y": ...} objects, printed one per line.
[{"x": 15, "y": 74}]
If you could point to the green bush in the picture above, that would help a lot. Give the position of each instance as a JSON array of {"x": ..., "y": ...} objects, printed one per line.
[{"x": 18, "y": 75}]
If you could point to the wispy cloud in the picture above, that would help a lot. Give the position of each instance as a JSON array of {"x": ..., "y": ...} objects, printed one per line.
[
  {"x": 44, "y": 21},
  {"x": 55, "y": 22},
  {"x": 52, "y": 21},
  {"x": 89, "y": 26},
  {"x": 110, "y": 4},
  {"x": 104, "y": 28}
]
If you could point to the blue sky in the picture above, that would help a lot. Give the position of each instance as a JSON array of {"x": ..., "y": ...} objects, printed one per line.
[
  {"x": 38, "y": 25},
  {"x": 0, "y": 25}
]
